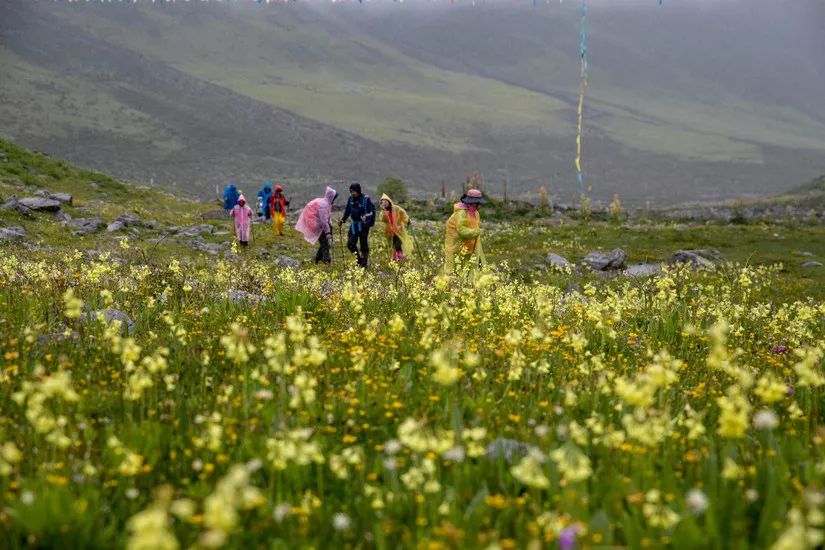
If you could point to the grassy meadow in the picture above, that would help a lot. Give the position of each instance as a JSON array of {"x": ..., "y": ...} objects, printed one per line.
[{"x": 253, "y": 406}]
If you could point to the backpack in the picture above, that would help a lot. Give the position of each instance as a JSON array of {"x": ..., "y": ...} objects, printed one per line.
[{"x": 368, "y": 207}]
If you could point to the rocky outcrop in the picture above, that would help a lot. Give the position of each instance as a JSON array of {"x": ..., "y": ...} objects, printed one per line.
[
  {"x": 40, "y": 204},
  {"x": 599, "y": 261},
  {"x": 12, "y": 233},
  {"x": 84, "y": 226}
]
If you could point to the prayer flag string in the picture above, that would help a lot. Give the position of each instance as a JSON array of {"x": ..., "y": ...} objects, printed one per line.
[{"x": 582, "y": 87}]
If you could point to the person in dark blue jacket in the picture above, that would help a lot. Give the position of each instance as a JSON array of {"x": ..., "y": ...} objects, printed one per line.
[
  {"x": 230, "y": 197},
  {"x": 362, "y": 213},
  {"x": 264, "y": 194}
]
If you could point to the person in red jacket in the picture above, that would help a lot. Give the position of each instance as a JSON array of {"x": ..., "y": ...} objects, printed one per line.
[{"x": 277, "y": 208}]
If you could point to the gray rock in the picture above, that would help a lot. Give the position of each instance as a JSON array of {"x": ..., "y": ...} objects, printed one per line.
[
  {"x": 62, "y": 216},
  {"x": 115, "y": 226},
  {"x": 40, "y": 204},
  {"x": 241, "y": 296},
  {"x": 511, "y": 450},
  {"x": 812, "y": 264},
  {"x": 288, "y": 263},
  {"x": 59, "y": 197},
  {"x": 12, "y": 233},
  {"x": 14, "y": 205},
  {"x": 600, "y": 261},
  {"x": 110, "y": 315},
  {"x": 689, "y": 257},
  {"x": 84, "y": 226},
  {"x": 557, "y": 261},
  {"x": 642, "y": 270},
  {"x": 130, "y": 220}
]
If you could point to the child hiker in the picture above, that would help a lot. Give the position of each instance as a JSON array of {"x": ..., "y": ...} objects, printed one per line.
[
  {"x": 396, "y": 221},
  {"x": 362, "y": 212},
  {"x": 243, "y": 220},
  {"x": 315, "y": 223},
  {"x": 468, "y": 230},
  {"x": 277, "y": 209}
]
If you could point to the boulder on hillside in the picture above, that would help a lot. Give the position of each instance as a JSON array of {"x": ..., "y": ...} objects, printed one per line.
[
  {"x": 13, "y": 204},
  {"x": 812, "y": 264},
  {"x": 65, "y": 198},
  {"x": 84, "y": 226},
  {"x": 40, "y": 204},
  {"x": 555, "y": 260},
  {"x": 127, "y": 220},
  {"x": 12, "y": 233},
  {"x": 696, "y": 258},
  {"x": 599, "y": 261},
  {"x": 642, "y": 270}
]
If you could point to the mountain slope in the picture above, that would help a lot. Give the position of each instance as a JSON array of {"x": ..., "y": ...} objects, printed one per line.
[{"x": 196, "y": 95}]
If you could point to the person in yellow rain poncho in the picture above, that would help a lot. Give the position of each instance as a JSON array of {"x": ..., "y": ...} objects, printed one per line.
[
  {"x": 463, "y": 239},
  {"x": 396, "y": 221}
]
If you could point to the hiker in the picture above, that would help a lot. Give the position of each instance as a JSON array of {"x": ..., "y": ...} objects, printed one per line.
[
  {"x": 277, "y": 209},
  {"x": 452, "y": 236},
  {"x": 468, "y": 231},
  {"x": 315, "y": 222},
  {"x": 362, "y": 212},
  {"x": 396, "y": 221},
  {"x": 243, "y": 220},
  {"x": 230, "y": 196},
  {"x": 264, "y": 195}
]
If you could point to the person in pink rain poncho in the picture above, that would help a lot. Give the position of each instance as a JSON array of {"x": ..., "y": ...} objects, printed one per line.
[
  {"x": 243, "y": 220},
  {"x": 315, "y": 223}
]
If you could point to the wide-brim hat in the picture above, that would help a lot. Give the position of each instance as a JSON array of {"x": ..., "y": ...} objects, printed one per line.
[{"x": 473, "y": 197}]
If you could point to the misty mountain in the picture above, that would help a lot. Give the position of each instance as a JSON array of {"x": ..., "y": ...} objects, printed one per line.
[{"x": 692, "y": 100}]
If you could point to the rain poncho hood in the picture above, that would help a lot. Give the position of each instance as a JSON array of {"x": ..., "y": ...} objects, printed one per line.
[
  {"x": 230, "y": 196},
  {"x": 265, "y": 194},
  {"x": 356, "y": 187},
  {"x": 316, "y": 216}
]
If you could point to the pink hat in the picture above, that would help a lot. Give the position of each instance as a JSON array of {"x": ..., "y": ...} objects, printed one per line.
[{"x": 241, "y": 199}]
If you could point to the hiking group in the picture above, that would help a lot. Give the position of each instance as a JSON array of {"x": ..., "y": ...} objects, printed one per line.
[
  {"x": 272, "y": 205},
  {"x": 462, "y": 242}
]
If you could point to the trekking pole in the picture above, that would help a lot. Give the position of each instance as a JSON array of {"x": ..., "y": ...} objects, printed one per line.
[{"x": 341, "y": 240}]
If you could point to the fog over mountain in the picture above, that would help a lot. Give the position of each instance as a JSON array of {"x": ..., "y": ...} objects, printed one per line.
[{"x": 691, "y": 100}]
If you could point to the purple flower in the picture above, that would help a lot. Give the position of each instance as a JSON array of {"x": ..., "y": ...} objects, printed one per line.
[
  {"x": 791, "y": 390},
  {"x": 567, "y": 538},
  {"x": 779, "y": 349}
]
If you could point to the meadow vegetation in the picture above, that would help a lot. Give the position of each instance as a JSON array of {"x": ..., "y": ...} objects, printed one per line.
[{"x": 249, "y": 405}]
